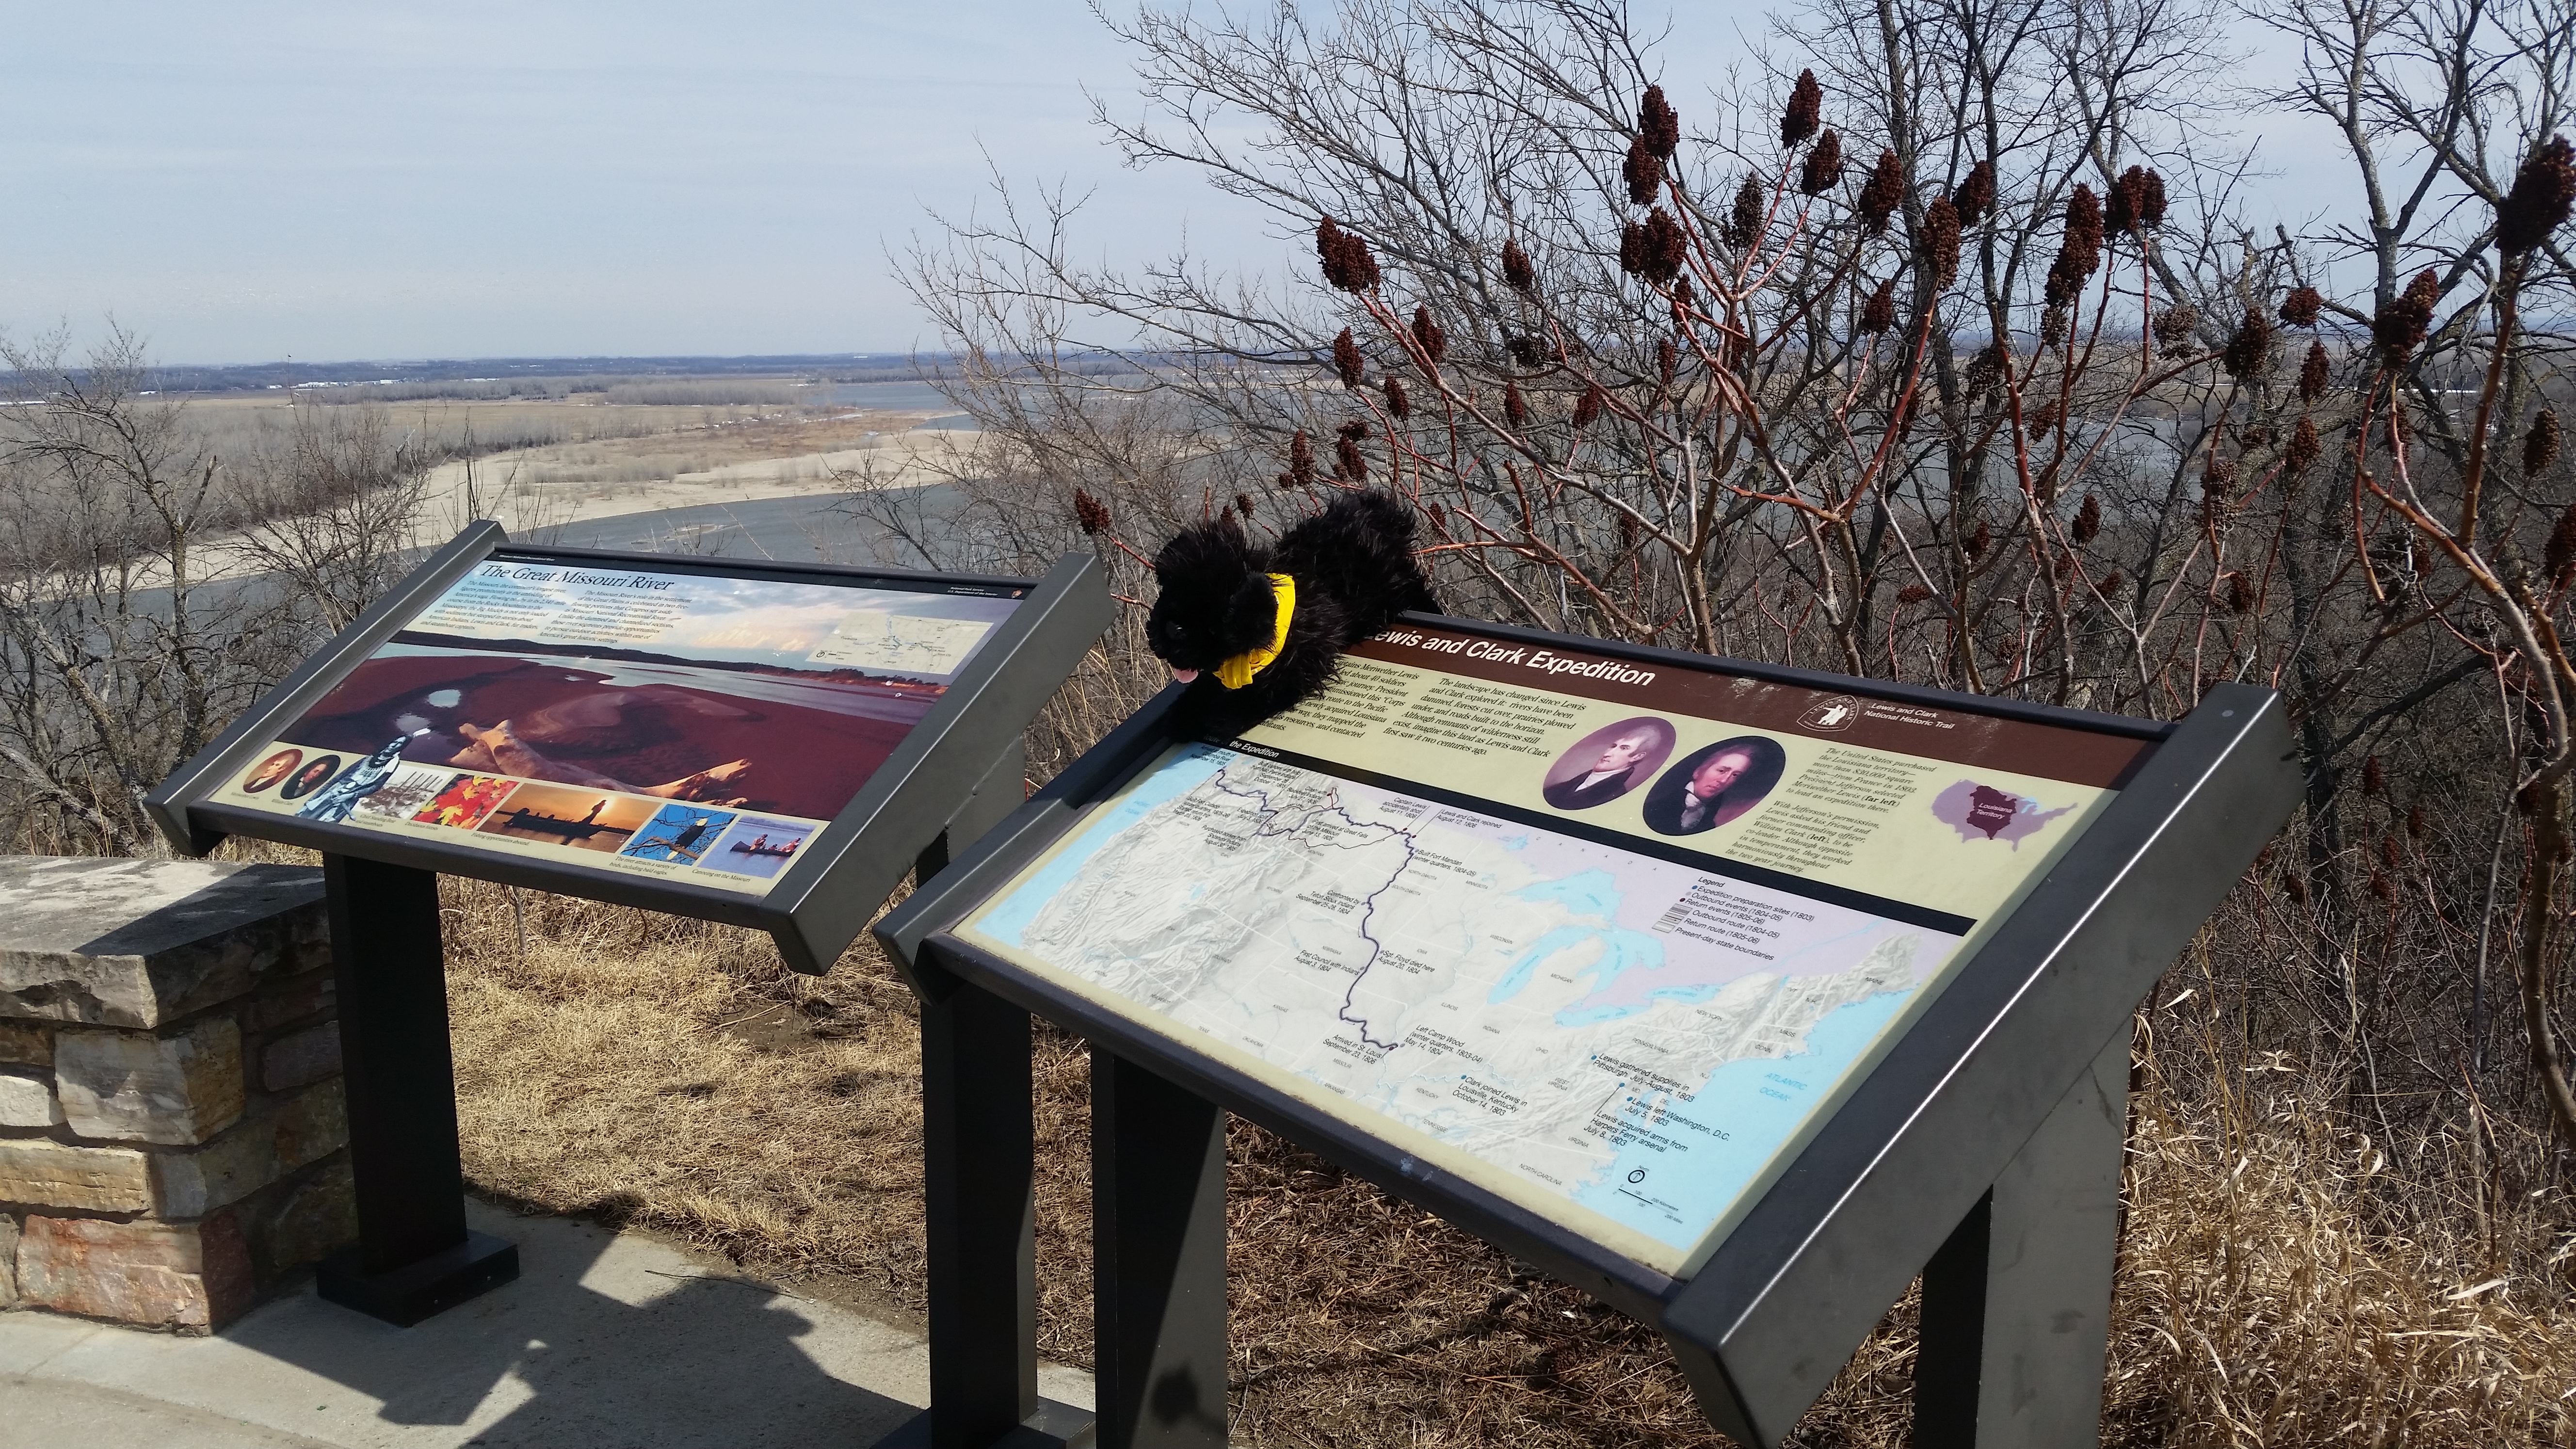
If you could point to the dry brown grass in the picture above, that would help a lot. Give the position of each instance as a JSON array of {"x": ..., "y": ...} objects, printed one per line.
[
  {"x": 232, "y": 422},
  {"x": 589, "y": 438},
  {"x": 697, "y": 440},
  {"x": 2283, "y": 1283},
  {"x": 2276, "y": 1289}
]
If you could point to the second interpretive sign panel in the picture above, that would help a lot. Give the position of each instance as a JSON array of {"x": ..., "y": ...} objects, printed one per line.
[
  {"x": 1608, "y": 938},
  {"x": 767, "y": 744},
  {"x": 678, "y": 724}
]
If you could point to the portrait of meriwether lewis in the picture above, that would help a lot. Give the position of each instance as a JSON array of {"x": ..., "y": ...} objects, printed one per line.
[
  {"x": 1714, "y": 784},
  {"x": 272, "y": 770},
  {"x": 1608, "y": 763}
]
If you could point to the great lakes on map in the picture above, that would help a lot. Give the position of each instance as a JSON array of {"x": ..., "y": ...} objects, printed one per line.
[{"x": 1638, "y": 1038}]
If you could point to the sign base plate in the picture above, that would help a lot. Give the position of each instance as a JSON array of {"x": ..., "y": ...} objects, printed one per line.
[
  {"x": 1053, "y": 1426},
  {"x": 414, "y": 1291}
]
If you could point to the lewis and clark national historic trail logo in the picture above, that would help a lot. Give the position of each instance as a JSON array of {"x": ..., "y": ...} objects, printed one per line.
[
  {"x": 1982, "y": 812},
  {"x": 1830, "y": 716}
]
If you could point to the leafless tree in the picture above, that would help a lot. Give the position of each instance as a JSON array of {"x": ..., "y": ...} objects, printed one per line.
[
  {"x": 1960, "y": 358},
  {"x": 328, "y": 509},
  {"x": 149, "y": 589}
]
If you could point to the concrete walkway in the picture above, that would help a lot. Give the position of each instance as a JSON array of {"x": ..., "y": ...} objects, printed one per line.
[{"x": 605, "y": 1341}]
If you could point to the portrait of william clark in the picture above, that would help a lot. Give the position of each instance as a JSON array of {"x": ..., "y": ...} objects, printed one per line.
[{"x": 1714, "y": 784}]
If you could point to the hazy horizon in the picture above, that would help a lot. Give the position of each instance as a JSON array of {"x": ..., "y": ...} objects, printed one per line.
[
  {"x": 286, "y": 181},
  {"x": 289, "y": 183}
]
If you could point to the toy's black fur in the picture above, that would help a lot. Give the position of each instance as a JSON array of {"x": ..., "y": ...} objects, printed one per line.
[{"x": 1355, "y": 572}]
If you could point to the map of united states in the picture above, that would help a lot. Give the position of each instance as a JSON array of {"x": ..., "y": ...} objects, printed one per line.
[{"x": 1632, "y": 1034}]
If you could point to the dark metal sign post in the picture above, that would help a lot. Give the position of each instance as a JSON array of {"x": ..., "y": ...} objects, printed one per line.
[
  {"x": 956, "y": 771},
  {"x": 1982, "y": 1152},
  {"x": 2016, "y": 1300},
  {"x": 415, "y": 1256},
  {"x": 1158, "y": 1246}
]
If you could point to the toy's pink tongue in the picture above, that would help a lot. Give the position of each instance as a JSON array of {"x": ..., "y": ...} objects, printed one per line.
[{"x": 1185, "y": 675}]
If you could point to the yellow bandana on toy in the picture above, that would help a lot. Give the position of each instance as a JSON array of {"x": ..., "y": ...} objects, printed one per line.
[{"x": 1237, "y": 672}]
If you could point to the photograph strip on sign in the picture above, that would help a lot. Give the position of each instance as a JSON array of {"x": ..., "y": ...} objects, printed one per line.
[
  {"x": 625, "y": 719},
  {"x": 1609, "y": 940}
]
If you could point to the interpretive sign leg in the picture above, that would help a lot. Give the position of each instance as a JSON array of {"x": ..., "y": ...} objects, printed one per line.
[
  {"x": 415, "y": 1256},
  {"x": 979, "y": 1159},
  {"x": 2016, "y": 1305},
  {"x": 981, "y": 1217},
  {"x": 979, "y": 1162},
  {"x": 1158, "y": 1260}
]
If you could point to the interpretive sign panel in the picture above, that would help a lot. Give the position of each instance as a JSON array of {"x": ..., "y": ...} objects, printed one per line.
[
  {"x": 657, "y": 722},
  {"x": 712, "y": 737},
  {"x": 765, "y": 744},
  {"x": 1739, "y": 996},
  {"x": 1607, "y": 939}
]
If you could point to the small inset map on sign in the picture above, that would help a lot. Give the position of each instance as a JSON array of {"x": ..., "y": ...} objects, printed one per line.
[
  {"x": 1982, "y": 812},
  {"x": 900, "y": 643}
]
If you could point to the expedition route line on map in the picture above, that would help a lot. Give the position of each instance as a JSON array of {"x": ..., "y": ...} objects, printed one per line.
[
  {"x": 1333, "y": 804},
  {"x": 1568, "y": 1039}
]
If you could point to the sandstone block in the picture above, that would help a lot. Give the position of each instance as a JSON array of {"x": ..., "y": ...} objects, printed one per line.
[
  {"x": 174, "y": 1089},
  {"x": 28, "y": 1102},
  {"x": 43, "y": 1173},
  {"x": 308, "y": 1222},
  {"x": 300, "y": 1057},
  {"x": 293, "y": 999},
  {"x": 282, "y": 1137},
  {"x": 25, "y": 1044},
  {"x": 141, "y": 942},
  {"x": 8, "y": 1261},
  {"x": 164, "y": 1275}
]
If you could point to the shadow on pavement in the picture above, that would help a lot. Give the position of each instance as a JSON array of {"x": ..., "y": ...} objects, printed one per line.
[{"x": 606, "y": 1341}]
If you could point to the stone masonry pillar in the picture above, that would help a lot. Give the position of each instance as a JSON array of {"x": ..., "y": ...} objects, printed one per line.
[{"x": 172, "y": 1134}]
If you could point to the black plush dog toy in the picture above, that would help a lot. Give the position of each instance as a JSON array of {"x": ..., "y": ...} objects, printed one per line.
[{"x": 1253, "y": 630}]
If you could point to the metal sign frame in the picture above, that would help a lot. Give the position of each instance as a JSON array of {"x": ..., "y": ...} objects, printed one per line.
[
  {"x": 1976, "y": 1145},
  {"x": 822, "y": 900},
  {"x": 955, "y": 772}
]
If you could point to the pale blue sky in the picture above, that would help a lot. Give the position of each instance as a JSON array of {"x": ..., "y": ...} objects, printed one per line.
[
  {"x": 259, "y": 181},
  {"x": 248, "y": 182}
]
